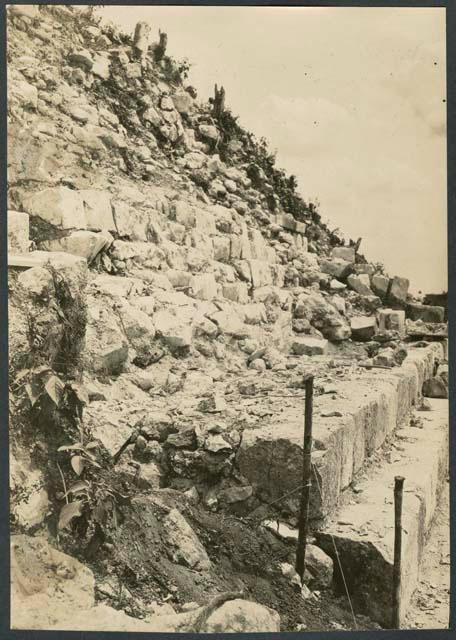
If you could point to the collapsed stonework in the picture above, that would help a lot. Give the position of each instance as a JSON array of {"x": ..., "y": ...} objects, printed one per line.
[{"x": 167, "y": 296}]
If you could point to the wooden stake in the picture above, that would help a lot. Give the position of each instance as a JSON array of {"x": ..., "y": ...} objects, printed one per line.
[
  {"x": 306, "y": 482},
  {"x": 398, "y": 491}
]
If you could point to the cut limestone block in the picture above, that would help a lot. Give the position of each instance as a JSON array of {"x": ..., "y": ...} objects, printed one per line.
[
  {"x": 106, "y": 345},
  {"x": 18, "y": 232},
  {"x": 380, "y": 285},
  {"x": 309, "y": 346},
  {"x": 391, "y": 320},
  {"x": 98, "y": 210},
  {"x": 426, "y": 313},
  {"x": 347, "y": 431},
  {"x": 60, "y": 206},
  {"x": 287, "y": 221},
  {"x": 363, "y": 529},
  {"x": 117, "y": 286},
  {"x": 72, "y": 268},
  {"x": 236, "y": 292},
  {"x": 398, "y": 290},
  {"x": 344, "y": 253},
  {"x": 260, "y": 273},
  {"x": 360, "y": 283},
  {"x": 87, "y": 244},
  {"x": 204, "y": 286},
  {"x": 336, "y": 267},
  {"x": 363, "y": 328}
]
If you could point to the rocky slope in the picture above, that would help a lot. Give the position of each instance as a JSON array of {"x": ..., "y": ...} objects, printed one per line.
[{"x": 165, "y": 277}]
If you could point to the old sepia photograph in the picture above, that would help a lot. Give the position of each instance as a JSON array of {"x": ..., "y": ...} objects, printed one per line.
[{"x": 227, "y": 318}]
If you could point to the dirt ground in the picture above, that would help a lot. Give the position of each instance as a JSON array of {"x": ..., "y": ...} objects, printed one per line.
[{"x": 430, "y": 605}]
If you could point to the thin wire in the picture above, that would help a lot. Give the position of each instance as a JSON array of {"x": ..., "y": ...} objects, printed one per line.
[{"x": 337, "y": 555}]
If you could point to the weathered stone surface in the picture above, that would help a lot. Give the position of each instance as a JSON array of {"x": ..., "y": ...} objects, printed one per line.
[
  {"x": 87, "y": 244},
  {"x": 208, "y": 131},
  {"x": 185, "y": 547},
  {"x": 24, "y": 92},
  {"x": 60, "y": 206},
  {"x": 380, "y": 285},
  {"x": 426, "y": 313},
  {"x": 72, "y": 268},
  {"x": 391, "y": 320},
  {"x": 175, "y": 332},
  {"x": 42, "y": 577},
  {"x": 101, "y": 66},
  {"x": 106, "y": 346},
  {"x": 117, "y": 286},
  {"x": 360, "y": 283},
  {"x": 184, "y": 213},
  {"x": 221, "y": 248},
  {"x": 398, "y": 290},
  {"x": 320, "y": 565},
  {"x": 336, "y": 267},
  {"x": 254, "y": 313},
  {"x": 363, "y": 327},
  {"x": 18, "y": 232},
  {"x": 51, "y": 590},
  {"x": 309, "y": 346},
  {"x": 139, "y": 330},
  {"x": 260, "y": 273},
  {"x": 131, "y": 221},
  {"x": 241, "y": 616},
  {"x": 183, "y": 102},
  {"x": 336, "y": 285},
  {"x": 435, "y": 387},
  {"x": 229, "y": 323},
  {"x": 37, "y": 281},
  {"x": 344, "y": 253},
  {"x": 363, "y": 534},
  {"x": 385, "y": 358},
  {"x": 82, "y": 58},
  {"x": 204, "y": 286},
  {"x": 370, "y": 408},
  {"x": 236, "y": 291},
  {"x": 29, "y": 498},
  {"x": 98, "y": 210}
]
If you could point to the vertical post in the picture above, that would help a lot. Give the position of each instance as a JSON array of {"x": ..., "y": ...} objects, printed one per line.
[
  {"x": 306, "y": 482},
  {"x": 398, "y": 491}
]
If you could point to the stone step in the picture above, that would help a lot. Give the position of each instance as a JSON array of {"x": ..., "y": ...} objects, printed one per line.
[
  {"x": 363, "y": 529},
  {"x": 348, "y": 427},
  {"x": 42, "y": 258}
]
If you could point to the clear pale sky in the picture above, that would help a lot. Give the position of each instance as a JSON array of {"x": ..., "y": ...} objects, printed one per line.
[{"x": 352, "y": 99}]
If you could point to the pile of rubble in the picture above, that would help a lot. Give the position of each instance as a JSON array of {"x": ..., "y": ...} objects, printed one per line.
[{"x": 169, "y": 282}]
